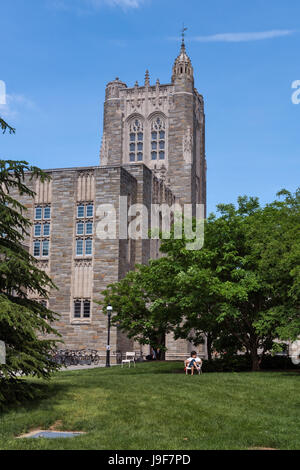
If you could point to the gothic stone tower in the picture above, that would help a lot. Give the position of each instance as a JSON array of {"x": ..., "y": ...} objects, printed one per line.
[
  {"x": 162, "y": 126},
  {"x": 153, "y": 151}
]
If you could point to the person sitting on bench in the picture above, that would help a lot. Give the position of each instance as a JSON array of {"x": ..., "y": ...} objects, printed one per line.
[{"x": 193, "y": 363}]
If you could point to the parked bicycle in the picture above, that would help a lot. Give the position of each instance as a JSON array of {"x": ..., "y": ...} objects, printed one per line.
[{"x": 71, "y": 357}]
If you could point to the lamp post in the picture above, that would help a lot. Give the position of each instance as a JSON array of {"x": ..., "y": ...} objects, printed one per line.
[{"x": 109, "y": 310}]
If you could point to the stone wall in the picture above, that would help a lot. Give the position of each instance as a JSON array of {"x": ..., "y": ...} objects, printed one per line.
[{"x": 109, "y": 262}]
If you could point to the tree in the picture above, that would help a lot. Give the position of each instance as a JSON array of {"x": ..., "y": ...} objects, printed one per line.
[
  {"x": 274, "y": 237},
  {"x": 25, "y": 324},
  {"x": 248, "y": 274},
  {"x": 4, "y": 126},
  {"x": 241, "y": 290},
  {"x": 146, "y": 308}
]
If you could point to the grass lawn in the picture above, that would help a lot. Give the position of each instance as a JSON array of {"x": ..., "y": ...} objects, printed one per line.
[{"x": 154, "y": 407}]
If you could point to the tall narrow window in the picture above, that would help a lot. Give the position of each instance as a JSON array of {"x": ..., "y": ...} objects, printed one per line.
[
  {"x": 80, "y": 211},
  {"x": 45, "y": 248},
  {"x": 46, "y": 230},
  {"x": 47, "y": 212},
  {"x": 89, "y": 228},
  {"x": 77, "y": 309},
  {"x": 136, "y": 141},
  {"x": 158, "y": 139},
  {"x": 88, "y": 247},
  {"x": 90, "y": 210},
  {"x": 38, "y": 213},
  {"x": 37, "y": 230},
  {"x": 86, "y": 309},
  {"x": 37, "y": 249},
  {"x": 79, "y": 247},
  {"x": 41, "y": 231},
  {"x": 84, "y": 229},
  {"x": 80, "y": 228}
]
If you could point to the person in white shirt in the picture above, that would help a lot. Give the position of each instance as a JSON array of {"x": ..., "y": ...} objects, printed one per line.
[{"x": 194, "y": 362}]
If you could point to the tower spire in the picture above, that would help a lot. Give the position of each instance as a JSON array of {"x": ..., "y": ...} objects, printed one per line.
[
  {"x": 184, "y": 29},
  {"x": 182, "y": 68}
]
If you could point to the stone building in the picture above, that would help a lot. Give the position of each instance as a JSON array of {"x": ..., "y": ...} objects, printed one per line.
[{"x": 153, "y": 151}]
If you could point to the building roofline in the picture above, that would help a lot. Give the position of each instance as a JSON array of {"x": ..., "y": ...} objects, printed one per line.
[{"x": 92, "y": 167}]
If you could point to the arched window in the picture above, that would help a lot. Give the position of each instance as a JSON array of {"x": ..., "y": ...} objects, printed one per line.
[
  {"x": 158, "y": 139},
  {"x": 136, "y": 141}
]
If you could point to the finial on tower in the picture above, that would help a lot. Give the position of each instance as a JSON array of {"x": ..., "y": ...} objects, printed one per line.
[
  {"x": 147, "y": 78},
  {"x": 184, "y": 29}
]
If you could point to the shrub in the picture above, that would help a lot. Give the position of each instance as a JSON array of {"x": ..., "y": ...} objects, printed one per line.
[{"x": 242, "y": 363}]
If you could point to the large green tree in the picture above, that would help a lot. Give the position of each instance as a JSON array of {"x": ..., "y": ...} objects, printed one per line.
[
  {"x": 146, "y": 304},
  {"x": 25, "y": 324},
  {"x": 250, "y": 264},
  {"x": 241, "y": 290}
]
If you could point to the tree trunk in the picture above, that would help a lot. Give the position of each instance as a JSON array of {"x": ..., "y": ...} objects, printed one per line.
[{"x": 255, "y": 360}]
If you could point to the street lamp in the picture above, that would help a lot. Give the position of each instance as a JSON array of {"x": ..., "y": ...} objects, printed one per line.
[{"x": 109, "y": 310}]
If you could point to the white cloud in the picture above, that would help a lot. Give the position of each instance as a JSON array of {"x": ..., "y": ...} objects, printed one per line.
[
  {"x": 15, "y": 105},
  {"x": 84, "y": 6},
  {"x": 243, "y": 37},
  {"x": 117, "y": 3}
]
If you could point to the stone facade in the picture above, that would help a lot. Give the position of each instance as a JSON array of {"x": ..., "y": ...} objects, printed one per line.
[{"x": 153, "y": 151}]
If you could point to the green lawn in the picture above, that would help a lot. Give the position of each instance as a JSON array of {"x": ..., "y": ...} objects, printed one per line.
[{"x": 155, "y": 407}]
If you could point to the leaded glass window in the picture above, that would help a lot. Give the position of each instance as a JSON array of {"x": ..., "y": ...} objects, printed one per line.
[
  {"x": 80, "y": 228},
  {"x": 136, "y": 141},
  {"x": 88, "y": 246},
  {"x": 45, "y": 248},
  {"x": 86, "y": 309},
  {"x": 41, "y": 247},
  {"x": 37, "y": 230},
  {"x": 90, "y": 210},
  {"x": 38, "y": 213},
  {"x": 36, "y": 249},
  {"x": 80, "y": 211},
  {"x": 79, "y": 247},
  {"x": 82, "y": 308},
  {"x": 158, "y": 139},
  {"x": 84, "y": 229},
  {"x": 89, "y": 228},
  {"x": 47, "y": 212},
  {"x": 46, "y": 230},
  {"x": 77, "y": 309}
]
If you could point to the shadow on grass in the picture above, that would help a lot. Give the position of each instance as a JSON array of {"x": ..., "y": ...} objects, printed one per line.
[
  {"x": 155, "y": 368},
  {"x": 29, "y": 394},
  {"x": 144, "y": 368}
]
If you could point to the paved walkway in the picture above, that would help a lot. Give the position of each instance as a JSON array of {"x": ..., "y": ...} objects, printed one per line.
[{"x": 86, "y": 367}]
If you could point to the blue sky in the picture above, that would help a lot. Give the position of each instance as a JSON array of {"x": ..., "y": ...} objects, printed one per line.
[{"x": 56, "y": 57}]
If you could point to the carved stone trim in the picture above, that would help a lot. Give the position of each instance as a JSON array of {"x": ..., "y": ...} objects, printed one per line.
[
  {"x": 43, "y": 264},
  {"x": 187, "y": 145},
  {"x": 83, "y": 263}
]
